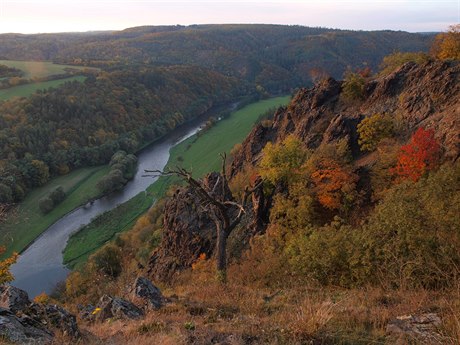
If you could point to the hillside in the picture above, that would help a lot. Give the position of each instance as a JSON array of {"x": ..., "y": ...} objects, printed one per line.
[
  {"x": 274, "y": 56},
  {"x": 341, "y": 241}
]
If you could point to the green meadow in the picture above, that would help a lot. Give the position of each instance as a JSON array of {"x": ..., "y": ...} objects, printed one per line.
[
  {"x": 38, "y": 69},
  {"x": 26, "y": 90},
  {"x": 28, "y": 222},
  {"x": 200, "y": 153}
]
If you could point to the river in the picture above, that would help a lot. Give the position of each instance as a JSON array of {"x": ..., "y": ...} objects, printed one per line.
[{"x": 40, "y": 268}]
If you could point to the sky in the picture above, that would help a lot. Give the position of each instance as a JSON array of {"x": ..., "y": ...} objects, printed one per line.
[{"x": 39, "y": 16}]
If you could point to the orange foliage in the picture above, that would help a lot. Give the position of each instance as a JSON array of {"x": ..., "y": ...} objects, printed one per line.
[
  {"x": 418, "y": 157},
  {"x": 332, "y": 182},
  {"x": 5, "y": 274}
]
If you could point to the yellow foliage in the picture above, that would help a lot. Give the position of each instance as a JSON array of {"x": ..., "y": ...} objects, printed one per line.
[
  {"x": 283, "y": 161},
  {"x": 42, "y": 298},
  {"x": 5, "y": 274},
  {"x": 447, "y": 45},
  {"x": 372, "y": 130}
]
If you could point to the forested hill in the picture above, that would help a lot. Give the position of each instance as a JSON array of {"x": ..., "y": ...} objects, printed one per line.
[{"x": 273, "y": 56}]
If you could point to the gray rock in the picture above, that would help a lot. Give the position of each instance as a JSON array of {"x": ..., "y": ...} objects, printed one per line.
[
  {"x": 144, "y": 289},
  {"x": 13, "y": 298},
  {"x": 118, "y": 308},
  {"x": 23, "y": 330},
  {"x": 422, "y": 328}
]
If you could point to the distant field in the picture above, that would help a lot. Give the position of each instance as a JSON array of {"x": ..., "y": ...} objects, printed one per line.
[
  {"x": 198, "y": 153},
  {"x": 38, "y": 69},
  {"x": 28, "y": 89},
  {"x": 29, "y": 222}
]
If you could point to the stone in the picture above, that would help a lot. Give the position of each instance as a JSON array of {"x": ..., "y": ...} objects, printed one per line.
[
  {"x": 145, "y": 290},
  {"x": 13, "y": 298},
  {"x": 115, "y": 307},
  {"x": 422, "y": 328},
  {"x": 23, "y": 330}
]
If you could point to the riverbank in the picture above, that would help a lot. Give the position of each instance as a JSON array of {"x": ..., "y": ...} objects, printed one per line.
[
  {"x": 28, "y": 222},
  {"x": 198, "y": 153}
]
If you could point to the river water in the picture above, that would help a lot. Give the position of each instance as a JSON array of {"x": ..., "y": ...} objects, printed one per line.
[{"x": 40, "y": 268}]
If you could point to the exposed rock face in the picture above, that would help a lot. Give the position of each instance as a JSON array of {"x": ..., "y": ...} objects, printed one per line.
[
  {"x": 25, "y": 322},
  {"x": 145, "y": 290},
  {"x": 118, "y": 308},
  {"x": 421, "y": 328},
  {"x": 13, "y": 298},
  {"x": 55, "y": 316},
  {"x": 23, "y": 330},
  {"x": 188, "y": 230},
  {"x": 425, "y": 95}
]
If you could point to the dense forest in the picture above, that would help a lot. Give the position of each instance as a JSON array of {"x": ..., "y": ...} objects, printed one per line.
[
  {"x": 273, "y": 56},
  {"x": 82, "y": 124}
]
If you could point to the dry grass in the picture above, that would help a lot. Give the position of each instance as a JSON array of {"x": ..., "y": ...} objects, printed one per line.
[{"x": 203, "y": 311}]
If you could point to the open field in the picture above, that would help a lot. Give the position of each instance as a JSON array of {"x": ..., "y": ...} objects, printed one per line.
[
  {"x": 38, "y": 69},
  {"x": 28, "y": 89},
  {"x": 200, "y": 153},
  {"x": 28, "y": 222}
]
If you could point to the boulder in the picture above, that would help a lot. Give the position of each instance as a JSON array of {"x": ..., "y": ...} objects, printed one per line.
[
  {"x": 115, "y": 307},
  {"x": 23, "y": 330},
  {"x": 13, "y": 298},
  {"x": 422, "y": 328},
  {"x": 55, "y": 316},
  {"x": 145, "y": 290}
]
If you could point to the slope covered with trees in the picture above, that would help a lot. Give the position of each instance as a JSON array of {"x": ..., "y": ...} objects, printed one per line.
[{"x": 83, "y": 124}]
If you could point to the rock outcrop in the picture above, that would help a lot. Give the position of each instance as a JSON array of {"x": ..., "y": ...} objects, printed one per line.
[
  {"x": 110, "y": 307},
  {"x": 151, "y": 295},
  {"x": 25, "y": 322},
  {"x": 426, "y": 95},
  {"x": 421, "y": 328},
  {"x": 188, "y": 229}
]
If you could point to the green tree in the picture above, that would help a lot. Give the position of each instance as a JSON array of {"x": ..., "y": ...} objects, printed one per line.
[{"x": 353, "y": 86}]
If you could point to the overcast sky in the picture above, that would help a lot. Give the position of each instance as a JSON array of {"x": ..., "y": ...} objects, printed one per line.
[{"x": 32, "y": 16}]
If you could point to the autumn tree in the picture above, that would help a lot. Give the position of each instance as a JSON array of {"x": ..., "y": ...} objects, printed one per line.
[
  {"x": 372, "y": 130},
  {"x": 5, "y": 274},
  {"x": 282, "y": 161},
  {"x": 419, "y": 156},
  {"x": 334, "y": 185},
  {"x": 391, "y": 62},
  {"x": 353, "y": 86},
  {"x": 447, "y": 45}
]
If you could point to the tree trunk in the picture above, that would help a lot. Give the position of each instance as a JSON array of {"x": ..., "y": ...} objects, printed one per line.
[{"x": 221, "y": 255}]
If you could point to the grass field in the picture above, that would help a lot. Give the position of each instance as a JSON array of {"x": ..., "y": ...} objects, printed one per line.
[
  {"x": 28, "y": 223},
  {"x": 28, "y": 89},
  {"x": 38, "y": 69},
  {"x": 199, "y": 153}
]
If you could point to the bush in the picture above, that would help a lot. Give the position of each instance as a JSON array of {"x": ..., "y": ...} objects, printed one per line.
[
  {"x": 353, "y": 86},
  {"x": 49, "y": 202},
  {"x": 393, "y": 61},
  {"x": 372, "y": 130},
  {"x": 57, "y": 195},
  {"x": 108, "y": 260},
  {"x": 46, "y": 205}
]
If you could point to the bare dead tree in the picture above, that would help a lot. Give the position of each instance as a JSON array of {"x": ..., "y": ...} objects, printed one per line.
[{"x": 220, "y": 210}]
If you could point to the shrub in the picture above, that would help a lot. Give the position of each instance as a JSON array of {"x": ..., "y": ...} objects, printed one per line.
[
  {"x": 108, "y": 260},
  {"x": 372, "y": 130},
  {"x": 419, "y": 156},
  {"x": 282, "y": 161},
  {"x": 391, "y": 62},
  {"x": 46, "y": 205},
  {"x": 447, "y": 45},
  {"x": 353, "y": 86}
]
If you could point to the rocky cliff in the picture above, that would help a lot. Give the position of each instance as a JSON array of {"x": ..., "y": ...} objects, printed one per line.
[{"x": 426, "y": 95}]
